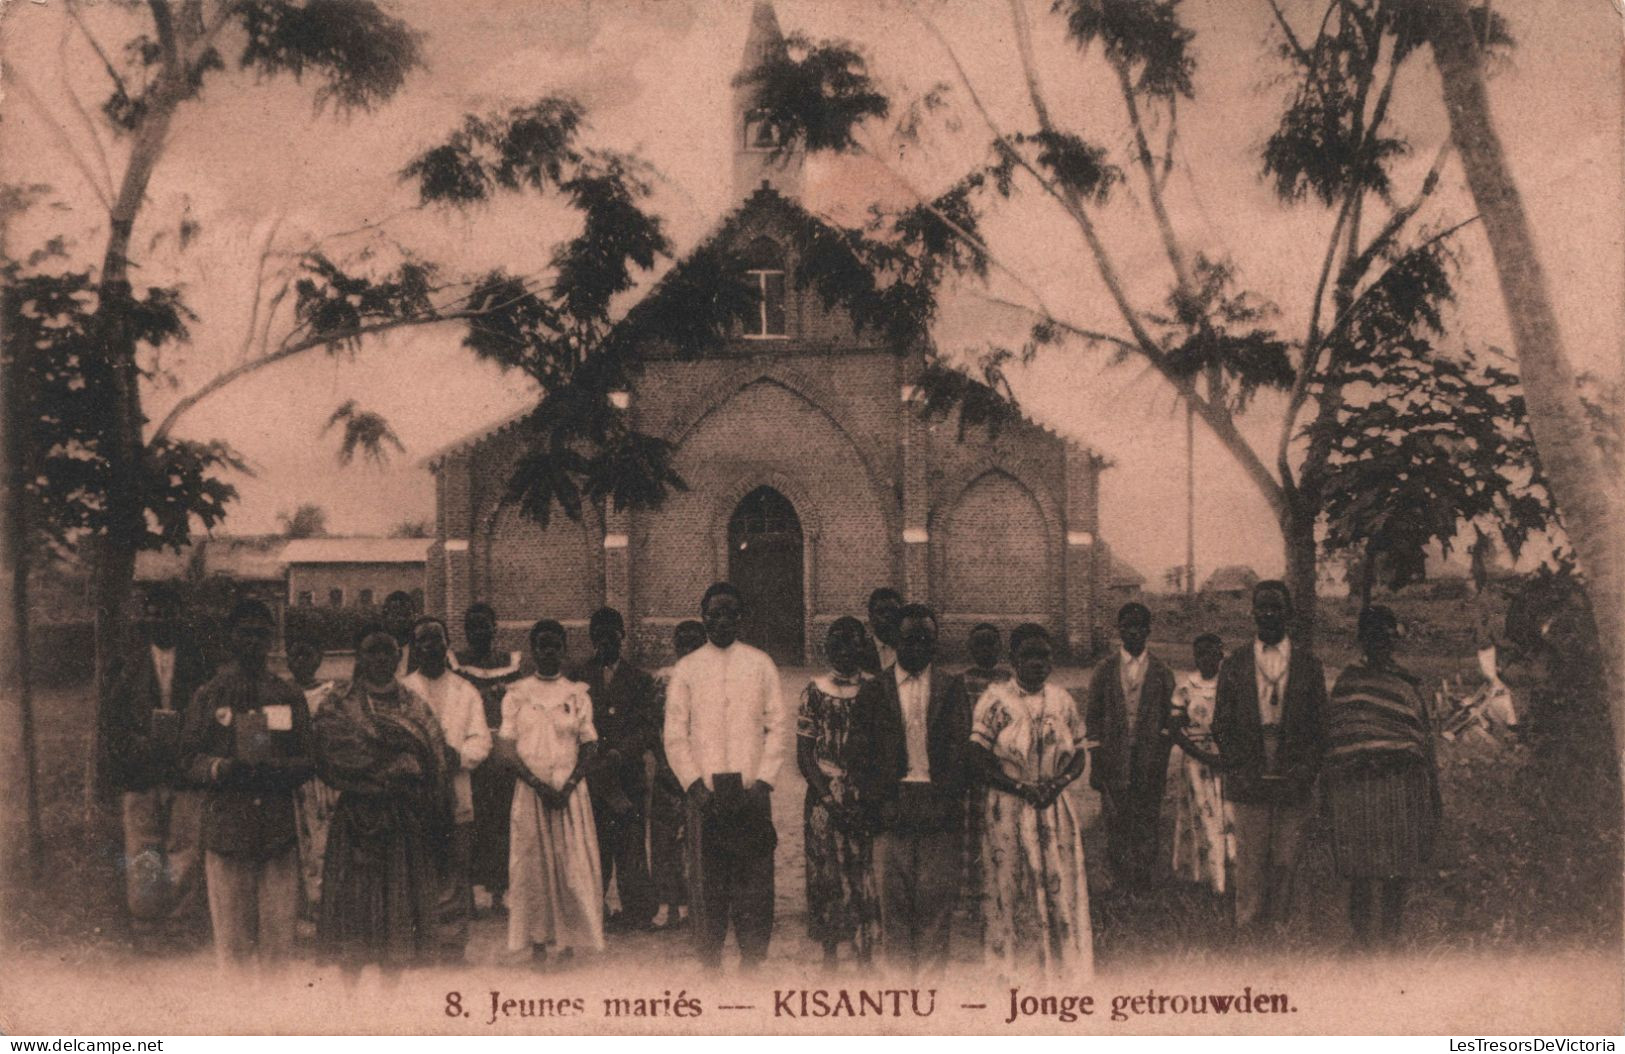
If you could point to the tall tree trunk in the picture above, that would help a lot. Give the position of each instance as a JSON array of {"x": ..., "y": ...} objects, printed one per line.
[
  {"x": 1298, "y": 536},
  {"x": 1190, "y": 501},
  {"x": 1590, "y": 500},
  {"x": 22, "y": 840},
  {"x": 18, "y": 799},
  {"x": 124, "y": 443}
]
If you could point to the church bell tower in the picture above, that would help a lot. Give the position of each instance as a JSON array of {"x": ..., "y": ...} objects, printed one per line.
[{"x": 756, "y": 152}]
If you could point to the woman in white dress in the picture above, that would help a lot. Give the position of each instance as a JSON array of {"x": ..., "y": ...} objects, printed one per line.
[
  {"x": 555, "y": 891},
  {"x": 1204, "y": 834},
  {"x": 1027, "y": 741}
]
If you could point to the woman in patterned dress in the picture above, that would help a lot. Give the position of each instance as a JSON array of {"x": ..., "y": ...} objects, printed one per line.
[
  {"x": 1027, "y": 739},
  {"x": 842, "y": 903},
  {"x": 1380, "y": 780},
  {"x": 1204, "y": 834}
]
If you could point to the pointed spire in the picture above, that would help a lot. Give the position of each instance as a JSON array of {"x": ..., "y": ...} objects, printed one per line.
[
  {"x": 764, "y": 38},
  {"x": 755, "y": 161}
]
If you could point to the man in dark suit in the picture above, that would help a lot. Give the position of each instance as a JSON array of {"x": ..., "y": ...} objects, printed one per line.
[
  {"x": 910, "y": 735},
  {"x": 1269, "y": 724},
  {"x": 880, "y": 649},
  {"x": 153, "y": 683},
  {"x": 1127, "y": 717},
  {"x": 624, "y": 711}
]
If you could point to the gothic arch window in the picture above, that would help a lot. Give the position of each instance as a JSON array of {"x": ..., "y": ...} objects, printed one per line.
[
  {"x": 764, "y": 262},
  {"x": 759, "y": 133}
]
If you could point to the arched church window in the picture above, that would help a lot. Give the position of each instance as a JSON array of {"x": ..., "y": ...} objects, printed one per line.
[
  {"x": 764, "y": 261},
  {"x": 760, "y": 133}
]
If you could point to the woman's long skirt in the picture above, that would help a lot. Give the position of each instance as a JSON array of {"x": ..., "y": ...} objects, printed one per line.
[
  {"x": 1037, "y": 906},
  {"x": 380, "y": 884},
  {"x": 555, "y": 883},
  {"x": 843, "y": 901},
  {"x": 1204, "y": 829},
  {"x": 1382, "y": 818}
]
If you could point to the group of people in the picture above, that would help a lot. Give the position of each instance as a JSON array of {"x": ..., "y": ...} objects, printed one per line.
[{"x": 374, "y": 808}]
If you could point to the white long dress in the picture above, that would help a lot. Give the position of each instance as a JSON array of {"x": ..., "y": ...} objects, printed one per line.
[{"x": 555, "y": 885}]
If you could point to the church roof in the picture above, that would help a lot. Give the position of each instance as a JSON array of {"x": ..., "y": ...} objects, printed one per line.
[
  {"x": 356, "y": 550},
  {"x": 1232, "y": 578}
]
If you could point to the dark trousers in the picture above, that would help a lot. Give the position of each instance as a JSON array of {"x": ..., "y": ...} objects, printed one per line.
[
  {"x": 668, "y": 858},
  {"x": 1130, "y": 816},
  {"x": 919, "y": 875},
  {"x": 735, "y": 885},
  {"x": 456, "y": 906},
  {"x": 621, "y": 856}
]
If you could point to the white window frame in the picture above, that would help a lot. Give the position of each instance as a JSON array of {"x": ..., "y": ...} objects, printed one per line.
[{"x": 759, "y": 275}]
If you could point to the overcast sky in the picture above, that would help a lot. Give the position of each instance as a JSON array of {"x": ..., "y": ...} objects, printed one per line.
[{"x": 253, "y": 166}]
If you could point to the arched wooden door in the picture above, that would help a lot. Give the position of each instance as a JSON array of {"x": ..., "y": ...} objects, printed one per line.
[{"x": 765, "y": 563}]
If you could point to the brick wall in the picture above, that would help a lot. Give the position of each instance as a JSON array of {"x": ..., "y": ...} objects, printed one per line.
[
  {"x": 996, "y": 552},
  {"x": 531, "y": 573}
]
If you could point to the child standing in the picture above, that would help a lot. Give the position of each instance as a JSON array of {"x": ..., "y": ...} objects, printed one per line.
[
  {"x": 555, "y": 892},
  {"x": 668, "y": 805},
  {"x": 314, "y": 799},
  {"x": 1204, "y": 836},
  {"x": 842, "y": 898}
]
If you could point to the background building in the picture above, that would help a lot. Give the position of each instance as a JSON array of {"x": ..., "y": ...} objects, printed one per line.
[{"x": 353, "y": 572}]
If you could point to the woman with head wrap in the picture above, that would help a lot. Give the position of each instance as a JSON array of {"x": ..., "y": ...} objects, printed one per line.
[{"x": 381, "y": 746}]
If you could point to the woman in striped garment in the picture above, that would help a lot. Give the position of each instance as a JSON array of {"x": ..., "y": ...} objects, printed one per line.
[{"x": 1380, "y": 781}]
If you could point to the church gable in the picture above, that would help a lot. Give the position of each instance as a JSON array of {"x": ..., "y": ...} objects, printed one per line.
[{"x": 768, "y": 238}]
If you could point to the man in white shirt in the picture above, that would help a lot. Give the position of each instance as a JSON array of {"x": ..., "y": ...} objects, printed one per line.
[
  {"x": 461, "y": 713},
  {"x": 1269, "y": 723},
  {"x": 908, "y": 743},
  {"x": 726, "y": 737}
]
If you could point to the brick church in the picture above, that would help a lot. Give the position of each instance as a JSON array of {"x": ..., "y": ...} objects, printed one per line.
[{"x": 812, "y": 480}]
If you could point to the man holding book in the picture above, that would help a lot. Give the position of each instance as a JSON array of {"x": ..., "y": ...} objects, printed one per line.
[{"x": 247, "y": 741}]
